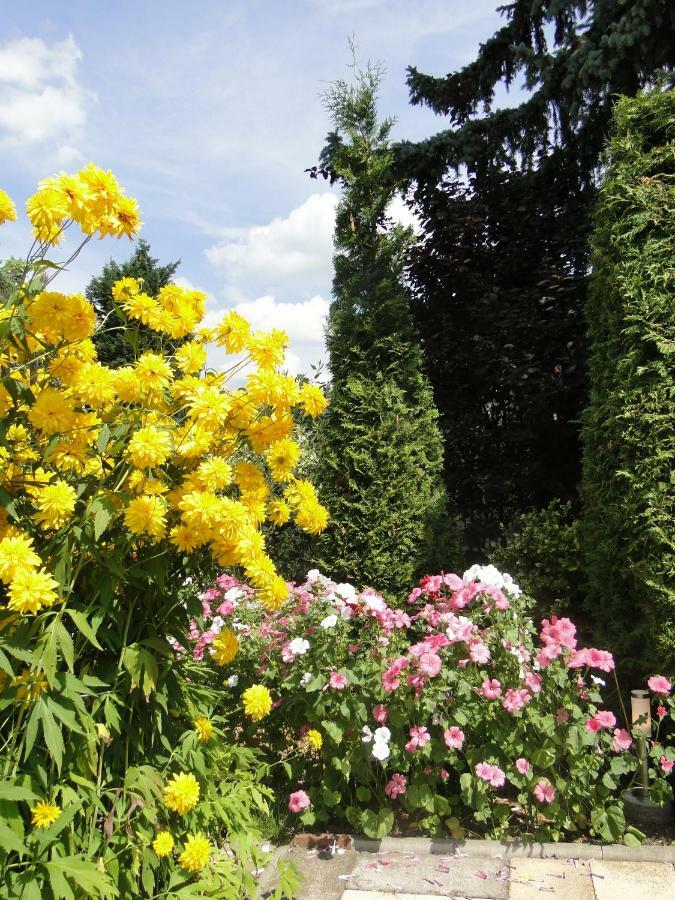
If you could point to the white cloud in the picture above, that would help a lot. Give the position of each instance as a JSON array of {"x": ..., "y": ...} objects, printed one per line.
[{"x": 41, "y": 99}]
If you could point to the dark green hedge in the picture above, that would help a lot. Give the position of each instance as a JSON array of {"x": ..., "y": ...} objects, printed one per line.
[{"x": 628, "y": 528}]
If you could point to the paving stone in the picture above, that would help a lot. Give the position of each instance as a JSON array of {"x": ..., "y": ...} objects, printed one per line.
[
  {"x": 321, "y": 877},
  {"x": 369, "y": 895},
  {"x": 434, "y": 875},
  {"x": 633, "y": 880},
  {"x": 531, "y": 879},
  {"x": 645, "y": 853}
]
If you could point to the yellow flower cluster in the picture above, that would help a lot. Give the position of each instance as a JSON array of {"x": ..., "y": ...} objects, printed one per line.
[
  {"x": 257, "y": 702},
  {"x": 181, "y": 793},
  {"x": 177, "y": 456}
]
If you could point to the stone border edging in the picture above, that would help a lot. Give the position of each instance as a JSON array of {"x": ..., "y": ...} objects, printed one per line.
[{"x": 506, "y": 849}]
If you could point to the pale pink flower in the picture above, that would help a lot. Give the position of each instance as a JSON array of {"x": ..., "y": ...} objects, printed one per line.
[
  {"x": 337, "y": 681},
  {"x": 430, "y": 664},
  {"x": 666, "y": 764},
  {"x": 516, "y": 699},
  {"x": 419, "y": 736},
  {"x": 559, "y": 632},
  {"x": 523, "y": 766},
  {"x": 561, "y": 716},
  {"x": 396, "y": 785},
  {"x": 490, "y": 688},
  {"x": 380, "y": 713},
  {"x": 298, "y": 801},
  {"x": 453, "y": 737},
  {"x": 478, "y": 651},
  {"x": 544, "y": 792},
  {"x": 621, "y": 740},
  {"x": 444, "y": 774},
  {"x": 533, "y": 681},
  {"x": 602, "y": 719},
  {"x": 492, "y": 774},
  {"x": 659, "y": 684}
]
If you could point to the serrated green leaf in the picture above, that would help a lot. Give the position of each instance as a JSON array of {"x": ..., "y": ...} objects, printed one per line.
[{"x": 83, "y": 626}]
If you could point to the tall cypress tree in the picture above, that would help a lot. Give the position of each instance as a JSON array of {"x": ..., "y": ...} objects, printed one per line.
[{"x": 381, "y": 450}]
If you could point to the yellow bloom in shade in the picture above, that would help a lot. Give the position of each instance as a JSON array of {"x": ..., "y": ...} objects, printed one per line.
[
  {"x": 224, "y": 647},
  {"x": 204, "y": 729},
  {"x": 163, "y": 844},
  {"x": 312, "y": 400},
  {"x": 150, "y": 447},
  {"x": 30, "y": 590},
  {"x": 16, "y": 554},
  {"x": 257, "y": 702},
  {"x": 278, "y": 512},
  {"x": 7, "y": 208},
  {"x": 146, "y": 515},
  {"x": 181, "y": 794},
  {"x": 55, "y": 504},
  {"x": 30, "y": 685},
  {"x": 314, "y": 739},
  {"x": 196, "y": 853},
  {"x": 45, "y": 814}
]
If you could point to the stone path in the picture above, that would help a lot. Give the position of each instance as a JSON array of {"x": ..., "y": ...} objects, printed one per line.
[{"x": 416, "y": 869}]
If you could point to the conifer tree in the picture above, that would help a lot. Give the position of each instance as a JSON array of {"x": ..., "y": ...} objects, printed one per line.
[{"x": 381, "y": 450}]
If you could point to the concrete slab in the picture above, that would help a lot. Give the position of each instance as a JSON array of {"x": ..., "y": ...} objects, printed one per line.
[
  {"x": 321, "y": 877},
  {"x": 645, "y": 853},
  {"x": 633, "y": 880},
  {"x": 435, "y": 875},
  {"x": 564, "y": 881},
  {"x": 369, "y": 895}
]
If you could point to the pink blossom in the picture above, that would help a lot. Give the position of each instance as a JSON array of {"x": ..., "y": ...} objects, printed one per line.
[
  {"x": 516, "y": 699},
  {"x": 558, "y": 632},
  {"x": 522, "y": 765},
  {"x": 396, "y": 785},
  {"x": 544, "y": 792},
  {"x": 419, "y": 736},
  {"x": 430, "y": 664},
  {"x": 546, "y": 656},
  {"x": 661, "y": 711},
  {"x": 298, "y": 801},
  {"x": 337, "y": 681},
  {"x": 533, "y": 681},
  {"x": 666, "y": 764},
  {"x": 226, "y": 608},
  {"x": 561, "y": 716},
  {"x": 478, "y": 651},
  {"x": 621, "y": 740},
  {"x": 600, "y": 659},
  {"x": 390, "y": 679},
  {"x": 453, "y": 737},
  {"x": 380, "y": 713},
  {"x": 444, "y": 774},
  {"x": 602, "y": 719},
  {"x": 659, "y": 684},
  {"x": 491, "y": 688},
  {"x": 492, "y": 774}
]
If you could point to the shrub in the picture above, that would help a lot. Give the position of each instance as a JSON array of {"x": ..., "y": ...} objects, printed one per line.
[
  {"x": 118, "y": 487},
  {"x": 449, "y": 715}
]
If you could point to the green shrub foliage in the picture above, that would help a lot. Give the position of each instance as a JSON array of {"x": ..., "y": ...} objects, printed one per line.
[{"x": 629, "y": 433}]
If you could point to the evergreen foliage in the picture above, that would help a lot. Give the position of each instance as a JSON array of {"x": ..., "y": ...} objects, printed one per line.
[
  {"x": 381, "y": 450},
  {"x": 113, "y": 346},
  {"x": 629, "y": 426}
]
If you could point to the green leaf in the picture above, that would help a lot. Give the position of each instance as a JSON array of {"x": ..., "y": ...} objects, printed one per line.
[
  {"x": 315, "y": 684},
  {"x": 10, "y": 791},
  {"x": 363, "y": 794},
  {"x": 330, "y": 798},
  {"x": 84, "y": 875},
  {"x": 9, "y": 840},
  {"x": 52, "y": 734},
  {"x": 66, "y": 644},
  {"x": 83, "y": 626},
  {"x": 377, "y": 824},
  {"x": 6, "y": 665},
  {"x": 333, "y": 730}
]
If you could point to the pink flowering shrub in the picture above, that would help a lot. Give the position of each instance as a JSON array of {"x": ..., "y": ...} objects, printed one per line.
[{"x": 456, "y": 710}]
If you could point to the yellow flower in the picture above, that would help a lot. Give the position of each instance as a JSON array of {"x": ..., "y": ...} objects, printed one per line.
[
  {"x": 267, "y": 348},
  {"x": 150, "y": 447},
  {"x": 282, "y": 457},
  {"x": 141, "y": 306},
  {"x": 233, "y": 332},
  {"x": 190, "y": 357},
  {"x": 30, "y": 590},
  {"x": 204, "y": 729},
  {"x": 274, "y": 593},
  {"x": 312, "y": 517},
  {"x": 224, "y": 647},
  {"x": 16, "y": 554},
  {"x": 126, "y": 287},
  {"x": 30, "y": 686},
  {"x": 312, "y": 400},
  {"x": 45, "y": 814},
  {"x": 47, "y": 210},
  {"x": 7, "y": 208},
  {"x": 146, "y": 515},
  {"x": 257, "y": 702},
  {"x": 214, "y": 473},
  {"x": 278, "y": 512},
  {"x": 52, "y": 412},
  {"x": 126, "y": 218},
  {"x": 209, "y": 406},
  {"x": 181, "y": 794},
  {"x": 154, "y": 371},
  {"x": 314, "y": 739},
  {"x": 196, "y": 854},
  {"x": 163, "y": 844},
  {"x": 55, "y": 504}
]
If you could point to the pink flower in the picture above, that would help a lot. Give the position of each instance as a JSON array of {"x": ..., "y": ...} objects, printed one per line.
[
  {"x": 419, "y": 736},
  {"x": 453, "y": 737},
  {"x": 492, "y": 774},
  {"x": 380, "y": 713},
  {"x": 523, "y": 766},
  {"x": 478, "y": 651},
  {"x": 444, "y": 774},
  {"x": 533, "y": 682},
  {"x": 661, "y": 711},
  {"x": 491, "y": 688},
  {"x": 516, "y": 699},
  {"x": 544, "y": 792},
  {"x": 337, "y": 681},
  {"x": 621, "y": 740},
  {"x": 396, "y": 785},
  {"x": 599, "y": 659},
  {"x": 561, "y": 716},
  {"x": 666, "y": 765},
  {"x": 430, "y": 664},
  {"x": 659, "y": 684},
  {"x": 298, "y": 801},
  {"x": 602, "y": 719},
  {"x": 558, "y": 632}
]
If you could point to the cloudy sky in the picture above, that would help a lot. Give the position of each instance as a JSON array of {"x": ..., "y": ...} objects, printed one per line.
[{"x": 208, "y": 113}]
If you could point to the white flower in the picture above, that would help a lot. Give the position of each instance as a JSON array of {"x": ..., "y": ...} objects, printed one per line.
[
  {"x": 597, "y": 680},
  {"x": 382, "y": 735},
  {"x": 234, "y": 595},
  {"x": 510, "y": 586},
  {"x": 239, "y": 626},
  {"x": 315, "y": 576},
  {"x": 346, "y": 591},
  {"x": 233, "y": 680},
  {"x": 306, "y": 678},
  {"x": 381, "y": 750},
  {"x": 329, "y": 621},
  {"x": 374, "y": 602},
  {"x": 486, "y": 574},
  {"x": 367, "y": 735},
  {"x": 298, "y": 646},
  {"x": 266, "y": 847},
  {"x": 217, "y": 624}
]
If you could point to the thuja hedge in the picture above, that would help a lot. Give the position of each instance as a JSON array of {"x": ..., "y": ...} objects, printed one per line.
[{"x": 629, "y": 425}]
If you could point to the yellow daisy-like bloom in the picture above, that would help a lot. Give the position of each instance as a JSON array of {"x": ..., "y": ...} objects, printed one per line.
[
  {"x": 314, "y": 739},
  {"x": 146, "y": 515},
  {"x": 30, "y": 686},
  {"x": 181, "y": 794},
  {"x": 45, "y": 814},
  {"x": 274, "y": 592},
  {"x": 312, "y": 517},
  {"x": 141, "y": 306},
  {"x": 224, "y": 647},
  {"x": 278, "y": 512},
  {"x": 7, "y": 208},
  {"x": 16, "y": 554},
  {"x": 150, "y": 447},
  {"x": 125, "y": 219},
  {"x": 190, "y": 357},
  {"x": 214, "y": 474},
  {"x": 154, "y": 371},
  {"x": 209, "y": 406},
  {"x": 257, "y": 702},
  {"x": 233, "y": 332},
  {"x": 126, "y": 287},
  {"x": 30, "y": 590},
  {"x": 163, "y": 844},
  {"x": 282, "y": 457},
  {"x": 204, "y": 729},
  {"x": 55, "y": 504},
  {"x": 196, "y": 853},
  {"x": 267, "y": 348},
  {"x": 312, "y": 400},
  {"x": 52, "y": 412}
]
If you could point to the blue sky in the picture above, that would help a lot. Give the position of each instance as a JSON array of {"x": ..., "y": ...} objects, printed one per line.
[{"x": 208, "y": 113}]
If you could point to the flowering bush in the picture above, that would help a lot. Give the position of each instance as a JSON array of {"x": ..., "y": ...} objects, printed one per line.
[
  {"x": 116, "y": 487},
  {"x": 453, "y": 713}
]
